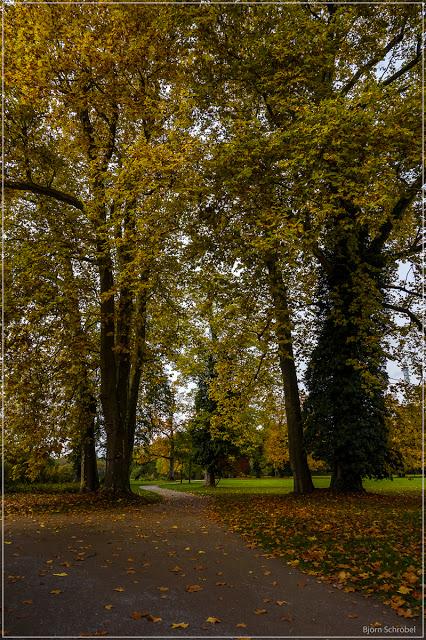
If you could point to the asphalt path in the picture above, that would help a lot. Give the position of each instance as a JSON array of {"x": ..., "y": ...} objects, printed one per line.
[{"x": 140, "y": 572}]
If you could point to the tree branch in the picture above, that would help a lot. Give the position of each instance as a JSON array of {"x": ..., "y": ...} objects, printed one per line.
[
  {"x": 373, "y": 61},
  {"x": 50, "y": 192},
  {"x": 407, "y": 66},
  {"x": 398, "y": 288},
  {"x": 407, "y": 312},
  {"x": 396, "y": 214}
]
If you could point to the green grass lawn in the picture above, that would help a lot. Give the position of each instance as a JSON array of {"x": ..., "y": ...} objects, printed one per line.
[{"x": 280, "y": 485}]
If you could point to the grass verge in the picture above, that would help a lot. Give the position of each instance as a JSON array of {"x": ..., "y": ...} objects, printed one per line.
[{"x": 369, "y": 543}]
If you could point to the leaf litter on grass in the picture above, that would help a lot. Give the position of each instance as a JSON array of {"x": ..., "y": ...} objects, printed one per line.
[{"x": 369, "y": 543}]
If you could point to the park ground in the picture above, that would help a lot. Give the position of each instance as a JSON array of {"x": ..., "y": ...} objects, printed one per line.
[{"x": 246, "y": 559}]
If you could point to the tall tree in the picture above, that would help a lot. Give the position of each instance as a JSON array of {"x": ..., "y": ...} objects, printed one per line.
[
  {"x": 328, "y": 87},
  {"x": 105, "y": 102}
]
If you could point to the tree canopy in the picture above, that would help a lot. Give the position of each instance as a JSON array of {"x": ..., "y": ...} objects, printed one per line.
[{"x": 227, "y": 196}]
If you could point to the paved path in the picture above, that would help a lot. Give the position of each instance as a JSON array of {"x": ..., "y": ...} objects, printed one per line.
[{"x": 142, "y": 562}]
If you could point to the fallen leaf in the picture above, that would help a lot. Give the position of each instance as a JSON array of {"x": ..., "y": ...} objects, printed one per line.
[
  {"x": 260, "y": 612},
  {"x": 56, "y": 591},
  {"x": 352, "y": 615},
  {"x": 193, "y": 587},
  {"x": 108, "y": 607},
  {"x": 163, "y": 589},
  {"x": 287, "y": 617},
  {"x": 119, "y": 589},
  {"x": 176, "y": 569},
  {"x": 136, "y": 615},
  {"x": 179, "y": 625},
  {"x": 241, "y": 625},
  {"x": 27, "y": 601},
  {"x": 410, "y": 577},
  {"x": 154, "y": 618},
  {"x": 281, "y": 602},
  {"x": 404, "y": 590},
  {"x": 60, "y": 574},
  {"x": 213, "y": 620}
]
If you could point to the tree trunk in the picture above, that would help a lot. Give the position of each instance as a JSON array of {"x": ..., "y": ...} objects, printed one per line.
[
  {"x": 120, "y": 378},
  {"x": 344, "y": 481},
  {"x": 117, "y": 474},
  {"x": 76, "y": 464},
  {"x": 210, "y": 480},
  {"x": 89, "y": 468},
  {"x": 302, "y": 480},
  {"x": 171, "y": 474}
]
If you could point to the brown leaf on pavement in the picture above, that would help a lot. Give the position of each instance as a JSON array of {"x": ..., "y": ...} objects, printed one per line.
[{"x": 191, "y": 588}]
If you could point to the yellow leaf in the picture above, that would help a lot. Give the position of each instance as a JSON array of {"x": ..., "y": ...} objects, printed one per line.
[
  {"x": 176, "y": 569},
  {"x": 213, "y": 620},
  {"x": 60, "y": 574},
  {"x": 27, "y": 601},
  {"x": 241, "y": 625},
  {"x": 108, "y": 607},
  {"x": 179, "y": 625},
  {"x": 193, "y": 587},
  {"x": 163, "y": 589},
  {"x": 404, "y": 590},
  {"x": 260, "y": 612},
  {"x": 281, "y": 602},
  {"x": 119, "y": 589},
  {"x": 56, "y": 591}
]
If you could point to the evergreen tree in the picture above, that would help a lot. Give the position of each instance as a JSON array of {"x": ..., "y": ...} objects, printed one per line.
[{"x": 211, "y": 451}]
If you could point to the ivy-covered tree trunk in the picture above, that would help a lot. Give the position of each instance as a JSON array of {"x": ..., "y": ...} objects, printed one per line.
[
  {"x": 302, "y": 480},
  {"x": 346, "y": 378}
]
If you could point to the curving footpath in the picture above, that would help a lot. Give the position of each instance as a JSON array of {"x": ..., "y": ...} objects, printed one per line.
[{"x": 127, "y": 574}]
